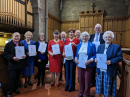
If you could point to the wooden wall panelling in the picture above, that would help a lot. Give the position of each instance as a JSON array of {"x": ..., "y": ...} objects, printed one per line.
[
  {"x": 91, "y": 31},
  {"x": 86, "y": 29},
  {"x": 99, "y": 19},
  {"x": 119, "y": 25},
  {"x": 118, "y": 36},
  {"x": 82, "y": 29},
  {"x": 54, "y": 24},
  {"x": 114, "y": 25},
  {"x": 86, "y": 21},
  {"x": 123, "y": 36},
  {"x": 124, "y": 25},
  {"x": 114, "y": 36},
  {"x": 129, "y": 23},
  {"x": 110, "y": 25},
  {"x": 82, "y": 21},
  {"x": 90, "y": 21},
  {"x": 105, "y": 27},
  {"x": 77, "y": 26},
  {"x": 95, "y": 20}
]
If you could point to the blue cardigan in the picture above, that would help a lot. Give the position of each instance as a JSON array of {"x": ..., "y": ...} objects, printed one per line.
[
  {"x": 114, "y": 54},
  {"x": 91, "y": 52}
]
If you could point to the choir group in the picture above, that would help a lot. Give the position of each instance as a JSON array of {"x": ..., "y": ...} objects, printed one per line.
[{"x": 79, "y": 50}]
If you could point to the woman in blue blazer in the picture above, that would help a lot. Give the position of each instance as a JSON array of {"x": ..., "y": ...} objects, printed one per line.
[
  {"x": 106, "y": 79},
  {"x": 85, "y": 74}
]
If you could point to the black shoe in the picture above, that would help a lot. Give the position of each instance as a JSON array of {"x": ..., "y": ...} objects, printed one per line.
[
  {"x": 80, "y": 95},
  {"x": 43, "y": 83},
  {"x": 70, "y": 90},
  {"x": 8, "y": 95},
  {"x": 17, "y": 91},
  {"x": 30, "y": 83},
  {"x": 25, "y": 85},
  {"x": 66, "y": 89},
  {"x": 38, "y": 83}
]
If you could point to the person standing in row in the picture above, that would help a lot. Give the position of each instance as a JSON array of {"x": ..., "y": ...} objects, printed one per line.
[
  {"x": 77, "y": 34},
  {"x": 29, "y": 69},
  {"x": 70, "y": 65},
  {"x": 97, "y": 37},
  {"x": 55, "y": 61},
  {"x": 84, "y": 74},
  {"x": 15, "y": 65},
  {"x": 41, "y": 59},
  {"x": 106, "y": 78},
  {"x": 63, "y": 38}
]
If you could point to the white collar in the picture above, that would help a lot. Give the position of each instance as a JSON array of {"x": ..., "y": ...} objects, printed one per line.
[{"x": 85, "y": 42}]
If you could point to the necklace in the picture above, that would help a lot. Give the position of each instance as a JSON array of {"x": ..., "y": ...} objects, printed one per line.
[{"x": 56, "y": 41}]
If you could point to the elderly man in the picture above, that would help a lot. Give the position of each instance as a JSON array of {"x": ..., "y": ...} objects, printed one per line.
[
  {"x": 97, "y": 37},
  {"x": 63, "y": 36},
  {"x": 77, "y": 34}
]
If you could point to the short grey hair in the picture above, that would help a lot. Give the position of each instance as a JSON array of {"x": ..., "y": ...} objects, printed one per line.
[
  {"x": 85, "y": 33},
  {"x": 41, "y": 34},
  {"x": 99, "y": 25},
  {"x": 108, "y": 32},
  {"x": 63, "y": 32},
  {"x": 16, "y": 33},
  {"x": 77, "y": 31}
]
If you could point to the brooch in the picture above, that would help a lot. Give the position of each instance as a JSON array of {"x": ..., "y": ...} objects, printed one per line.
[{"x": 90, "y": 44}]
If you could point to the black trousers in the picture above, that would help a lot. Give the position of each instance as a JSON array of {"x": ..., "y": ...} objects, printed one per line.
[
  {"x": 41, "y": 69},
  {"x": 14, "y": 77},
  {"x": 93, "y": 76}
]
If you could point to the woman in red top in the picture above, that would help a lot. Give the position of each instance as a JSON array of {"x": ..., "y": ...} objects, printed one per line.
[
  {"x": 55, "y": 61},
  {"x": 70, "y": 65}
]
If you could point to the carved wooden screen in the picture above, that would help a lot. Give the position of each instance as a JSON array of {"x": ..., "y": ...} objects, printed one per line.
[
  {"x": 88, "y": 20},
  {"x": 16, "y": 12}
]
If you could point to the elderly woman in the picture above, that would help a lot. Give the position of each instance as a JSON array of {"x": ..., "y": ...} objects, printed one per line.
[
  {"x": 63, "y": 36},
  {"x": 106, "y": 79},
  {"x": 70, "y": 65},
  {"x": 77, "y": 34},
  {"x": 85, "y": 74},
  {"x": 55, "y": 61},
  {"x": 41, "y": 59},
  {"x": 15, "y": 65},
  {"x": 29, "y": 69}
]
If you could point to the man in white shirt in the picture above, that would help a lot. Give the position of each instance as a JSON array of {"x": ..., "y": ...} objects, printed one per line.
[{"x": 97, "y": 37}]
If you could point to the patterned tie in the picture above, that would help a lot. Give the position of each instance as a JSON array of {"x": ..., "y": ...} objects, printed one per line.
[
  {"x": 96, "y": 37},
  {"x": 105, "y": 51}
]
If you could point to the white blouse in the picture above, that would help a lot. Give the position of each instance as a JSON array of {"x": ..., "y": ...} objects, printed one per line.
[{"x": 83, "y": 48}]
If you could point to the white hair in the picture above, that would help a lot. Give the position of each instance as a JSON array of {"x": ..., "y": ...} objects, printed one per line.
[
  {"x": 41, "y": 34},
  {"x": 63, "y": 32},
  {"x": 99, "y": 25},
  {"x": 85, "y": 33},
  {"x": 108, "y": 32},
  {"x": 16, "y": 33},
  {"x": 77, "y": 31}
]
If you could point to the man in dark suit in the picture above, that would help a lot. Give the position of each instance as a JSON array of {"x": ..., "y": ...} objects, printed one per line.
[
  {"x": 97, "y": 37},
  {"x": 15, "y": 65}
]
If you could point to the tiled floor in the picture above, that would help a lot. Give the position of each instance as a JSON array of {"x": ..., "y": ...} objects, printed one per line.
[{"x": 48, "y": 91}]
